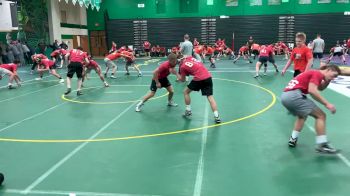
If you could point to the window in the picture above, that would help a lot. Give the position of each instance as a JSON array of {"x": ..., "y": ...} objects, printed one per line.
[
  {"x": 304, "y": 1},
  {"x": 231, "y": 2},
  {"x": 324, "y": 1},
  {"x": 274, "y": 2},
  {"x": 255, "y": 2}
]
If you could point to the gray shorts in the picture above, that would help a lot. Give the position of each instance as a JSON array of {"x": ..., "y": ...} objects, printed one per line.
[
  {"x": 297, "y": 103},
  {"x": 109, "y": 63},
  {"x": 4, "y": 72}
]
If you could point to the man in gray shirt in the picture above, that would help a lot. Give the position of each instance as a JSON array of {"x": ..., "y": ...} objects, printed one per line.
[
  {"x": 186, "y": 47},
  {"x": 318, "y": 47}
]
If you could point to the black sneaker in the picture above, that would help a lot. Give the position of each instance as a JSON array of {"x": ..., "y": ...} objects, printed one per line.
[
  {"x": 325, "y": 148},
  {"x": 292, "y": 142},
  {"x": 79, "y": 93},
  {"x": 68, "y": 91},
  {"x": 127, "y": 73},
  {"x": 277, "y": 71},
  {"x": 217, "y": 120}
]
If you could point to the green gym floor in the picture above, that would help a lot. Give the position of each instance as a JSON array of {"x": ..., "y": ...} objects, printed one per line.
[{"x": 97, "y": 144}]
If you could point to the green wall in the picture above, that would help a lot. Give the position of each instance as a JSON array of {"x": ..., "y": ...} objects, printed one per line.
[{"x": 126, "y": 9}]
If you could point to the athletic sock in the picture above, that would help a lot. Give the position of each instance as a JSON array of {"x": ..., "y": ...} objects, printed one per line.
[
  {"x": 295, "y": 134},
  {"x": 216, "y": 113},
  {"x": 320, "y": 139},
  {"x": 188, "y": 107}
]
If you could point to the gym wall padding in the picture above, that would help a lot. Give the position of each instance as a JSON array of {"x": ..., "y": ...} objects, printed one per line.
[
  {"x": 169, "y": 32},
  {"x": 332, "y": 27}
]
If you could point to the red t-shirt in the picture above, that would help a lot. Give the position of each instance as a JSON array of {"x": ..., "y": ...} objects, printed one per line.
[
  {"x": 47, "y": 63},
  {"x": 129, "y": 56},
  {"x": 210, "y": 50},
  {"x": 265, "y": 51},
  {"x": 77, "y": 55},
  {"x": 113, "y": 56},
  {"x": 58, "y": 52},
  {"x": 220, "y": 48},
  {"x": 146, "y": 45},
  {"x": 198, "y": 50},
  {"x": 11, "y": 67},
  {"x": 255, "y": 47},
  {"x": 191, "y": 66},
  {"x": 300, "y": 56},
  {"x": 282, "y": 45},
  {"x": 40, "y": 56},
  {"x": 302, "y": 81},
  {"x": 164, "y": 70},
  {"x": 228, "y": 50},
  {"x": 244, "y": 49},
  {"x": 348, "y": 43},
  {"x": 92, "y": 64}
]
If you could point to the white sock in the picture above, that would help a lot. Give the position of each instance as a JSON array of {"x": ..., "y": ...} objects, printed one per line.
[
  {"x": 216, "y": 113},
  {"x": 295, "y": 134},
  {"x": 320, "y": 139},
  {"x": 10, "y": 84},
  {"x": 188, "y": 107},
  {"x": 140, "y": 103}
]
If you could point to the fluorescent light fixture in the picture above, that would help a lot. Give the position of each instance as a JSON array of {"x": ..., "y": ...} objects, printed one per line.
[
  {"x": 223, "y": 16},
  {"x": 141, "y": 5}
]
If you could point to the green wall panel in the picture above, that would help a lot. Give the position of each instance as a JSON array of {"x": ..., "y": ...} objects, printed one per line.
[{"x": 127, "y": 9}]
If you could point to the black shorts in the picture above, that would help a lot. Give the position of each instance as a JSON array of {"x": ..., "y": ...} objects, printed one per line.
[
  {"x": 296, "y": 72},
  {"x": 271, "y": 59},
  {"x": 164, "y": 83},
  {"x": 243, "y": 53},
  {"x": 206, "y": 86},
  {"x": 255, "y": 52},
  {"x": 147, "y": 50},
  {"x": 338, "y": 54},
  {"x": 318, "y": 55},
  {"x": 263, "y": 59},
  {"x": 75, "y": 67},
  {"x": 129, "y": 63},
  {"x": 54, "y": 66}
]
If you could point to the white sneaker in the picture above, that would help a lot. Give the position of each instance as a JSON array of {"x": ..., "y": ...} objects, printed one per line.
[
  {"x": 112, "y": 76},
  {"x": 38, "y": 79},
  {"x": 61, "y": 81},
  {"x": 106, "y": 84},
  {"x": 138, "y": 107},
  {"x": 172, "y": 104},
  {"x": 264, "y": 74}
]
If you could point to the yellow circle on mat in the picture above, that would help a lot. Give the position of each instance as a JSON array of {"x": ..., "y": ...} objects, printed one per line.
[
  {"x": 108, "y": 102},
  {"x": 273, "y": 101}
]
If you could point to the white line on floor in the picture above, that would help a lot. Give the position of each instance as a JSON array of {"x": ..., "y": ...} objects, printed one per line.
[
  {"x": 78, "y": 193},
  {"x": 200, "y": 169},
  {"x": 72, "y": 153}
]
